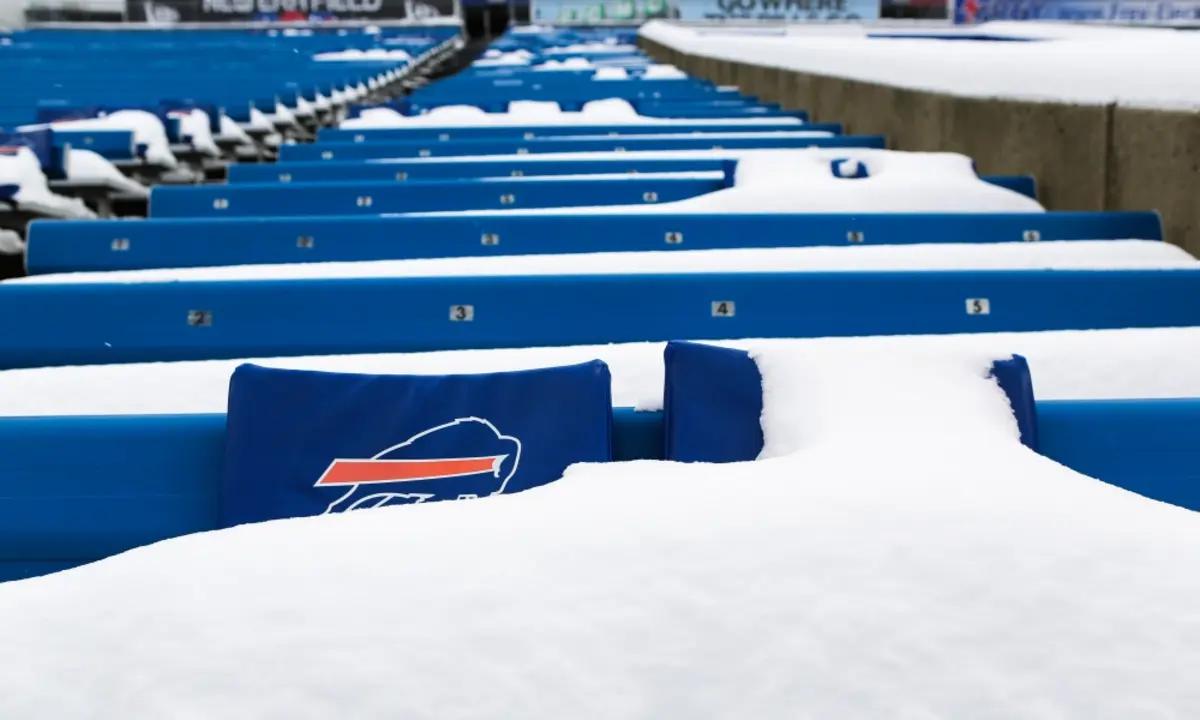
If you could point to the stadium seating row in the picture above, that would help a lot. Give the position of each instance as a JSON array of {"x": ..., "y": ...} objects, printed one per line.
[
  {"x": 352, "y": 195},
  {"x": 81, "y": 488},
  {"x": 57, "y": 247}
]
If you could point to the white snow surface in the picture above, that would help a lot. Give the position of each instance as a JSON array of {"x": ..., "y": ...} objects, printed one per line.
[
  {"x": 195, "y": 123},
  {"x": 658, "y": 71},
  {"x": 1091, "y": 65},
  {"x": 592, "y": 48},
  {"x": 610, "y": 73},
  {"x": 231, "y": 129},
  {"x": 88, "y": 166},
  {"x": 11, "y": 243},
  {"x": 897, "y": 554},
  {"x": 1057, "y": 255},
  {"x": 25, "y": 171},
  {"x": 283, "y": 114},
  {"x": 303, "y": 109},
  {"x": 356, "y": 55},
  {"x": 496, "y": 58},
  {"x": 609, "y": 111},
  {"x": 147, "y": 130},
  {"x": 1066, "y": 365},
  {"x": 802, "y": 181},
  {"x": 259, "y": 120},
  {"x": 575, "y": 63}
]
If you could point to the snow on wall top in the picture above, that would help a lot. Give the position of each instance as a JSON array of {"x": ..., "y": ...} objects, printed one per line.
[{"x": 1144, "y": 67}]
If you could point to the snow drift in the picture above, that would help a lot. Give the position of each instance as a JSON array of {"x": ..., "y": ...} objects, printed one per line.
[
  {"x": 889, "y": 558},
  {"x": 1059, "y": 255},
  {"x": 609, "y": 111},
  {"x": 23, "y": 170},
  {"x": 1067, "y": 365},
  {"x": 147, "y": 130},
  {"x": 804, "y": 180},
  {"x": 88, "y": 166}
]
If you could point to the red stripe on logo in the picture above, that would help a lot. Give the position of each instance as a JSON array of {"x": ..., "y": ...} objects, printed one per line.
[{"x": 354, "y": 472}]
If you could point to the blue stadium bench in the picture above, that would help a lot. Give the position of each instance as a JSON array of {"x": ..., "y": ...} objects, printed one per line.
[
  {"x": 528, "y": 132},
  {"x": 58, "y": 510},
  {"x": 68, "y": 324},
  {"x": 373, "y": 198},
  {"x": 57, "y": 246},
  {"x": 418, "y": 148}
]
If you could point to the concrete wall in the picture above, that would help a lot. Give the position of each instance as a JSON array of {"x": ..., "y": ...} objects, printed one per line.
[
  {"x": 1085, "y": 157},
  {"x": 12, "y": 13}
]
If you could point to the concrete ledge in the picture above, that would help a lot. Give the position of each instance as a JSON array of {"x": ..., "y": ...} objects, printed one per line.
[
  {"x": 1085, "y": 157},
  {"x": 1155, "y": 163}
]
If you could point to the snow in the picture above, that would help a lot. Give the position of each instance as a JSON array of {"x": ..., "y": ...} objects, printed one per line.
[
  {"x": 1061, "y": 255},
  {"x": 531, "y": 29},
  {"x": 802, "y": 180},
  {"x": 356, "y": 55},
  {"x": 609, "y": 111},
  {"x": 825, "y": 395},
  {"x": 259, "y": 120},
  {"x": 592, "y": 48},
  {"x": 195, "y": 124},
  {"x": 283, "y": 114},
  {"x": 663, "y": 72},
  {"x": 147, "y": 130},
  {"x": 1066, "y": 365},
  {"x": 610, "y": 73},
  {"x": 11, "y": 243},
  {"x": 87, "y": 166},
  {"x": 496, "y": 58},
  {"x": 303, "y": 109},
  {"x": 1091, "y": 65},
  {"x": 739, "y": 154},
  {"x": 230, "y": 129},
  {"x": 534, "y": 110},
  {"x": 25, "y": 171},
  {"x": 894, "y": 557},
  {"x": 575, "y": 63},
  {"x": 719, "y": 136}
]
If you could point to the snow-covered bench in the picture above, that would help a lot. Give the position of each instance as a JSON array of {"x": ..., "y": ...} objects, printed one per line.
[
  {"x": 80, "y": 488},
  {"x": 166, "y": 243},
  {"x": 374, "y": 307}
]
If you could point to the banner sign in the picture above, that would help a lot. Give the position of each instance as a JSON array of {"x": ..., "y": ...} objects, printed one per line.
[
  {"x": 789, "y": 10},
  {"x": 635, "y": 11},
  {"x": 599, "y": 11},
  {"x": 1130, "y": 12},
  {"x": 188, "y": 11}
]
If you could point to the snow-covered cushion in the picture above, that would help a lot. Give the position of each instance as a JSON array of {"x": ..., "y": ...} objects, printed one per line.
[{"x": 712, "y": 402}]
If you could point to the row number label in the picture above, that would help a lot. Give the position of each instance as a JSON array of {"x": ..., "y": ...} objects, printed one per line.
[
  {"x": 200, "y": 318},
  {"x": 724, "y": 308},
  {"x": 978, "y": 306}
]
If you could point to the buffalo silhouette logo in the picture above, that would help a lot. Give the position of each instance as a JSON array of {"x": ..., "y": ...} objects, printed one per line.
[{"x": 464, "y": 458}]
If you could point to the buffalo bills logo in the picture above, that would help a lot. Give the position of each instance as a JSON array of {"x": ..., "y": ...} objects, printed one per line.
[{"x": 464, "y": 458}]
